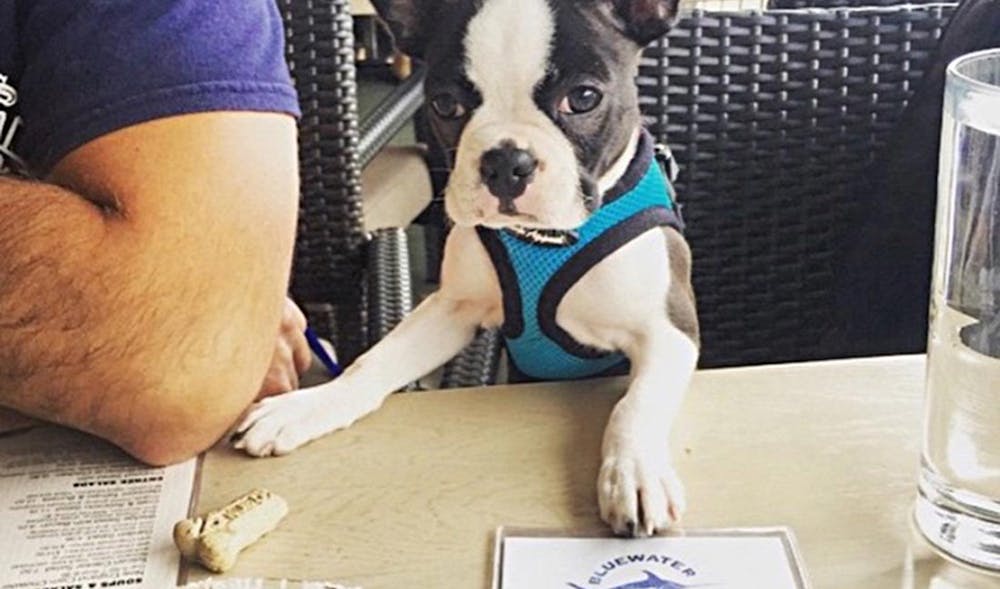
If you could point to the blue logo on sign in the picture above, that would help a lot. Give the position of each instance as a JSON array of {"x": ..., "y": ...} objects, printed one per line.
[
  {"x": 652, "y": 582},
  {"x": 621, "y": 573}
]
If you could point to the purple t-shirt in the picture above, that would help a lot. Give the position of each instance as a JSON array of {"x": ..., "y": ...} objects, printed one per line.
[{"x": 73, "y": 70}]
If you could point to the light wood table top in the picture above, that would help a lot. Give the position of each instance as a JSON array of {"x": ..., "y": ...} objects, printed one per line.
[
  {"x": 362, "y": 8},
  {"x": 411, "y": 496}
]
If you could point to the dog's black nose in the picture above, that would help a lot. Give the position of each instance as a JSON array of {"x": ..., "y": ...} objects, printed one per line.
[{"x": 507, "y": 170}]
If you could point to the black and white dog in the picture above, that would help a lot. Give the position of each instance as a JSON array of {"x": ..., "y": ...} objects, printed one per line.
[{"x": 565, "y": 233}]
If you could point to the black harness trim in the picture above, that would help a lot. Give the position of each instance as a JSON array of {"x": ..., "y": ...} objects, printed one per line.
[
  {"x": 637, "y": 168},
  {"x": 513, "y": 322}
]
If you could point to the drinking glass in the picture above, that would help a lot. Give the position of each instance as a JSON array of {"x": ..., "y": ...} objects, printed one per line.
[{"x": 958, "y": 506}]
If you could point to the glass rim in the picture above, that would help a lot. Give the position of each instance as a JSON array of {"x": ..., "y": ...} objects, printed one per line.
[{"x": 955, "y": 74}]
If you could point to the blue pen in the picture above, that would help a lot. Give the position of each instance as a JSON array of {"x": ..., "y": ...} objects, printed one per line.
[{"x": 329, "y": 363}]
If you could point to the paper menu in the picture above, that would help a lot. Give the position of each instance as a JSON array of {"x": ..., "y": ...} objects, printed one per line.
[
  {"x": 721, "y": 559},
  {"x": 77, "y": 513}
]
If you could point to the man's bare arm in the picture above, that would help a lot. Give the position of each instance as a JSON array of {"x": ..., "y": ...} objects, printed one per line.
[{"x": 142, "y": 288}]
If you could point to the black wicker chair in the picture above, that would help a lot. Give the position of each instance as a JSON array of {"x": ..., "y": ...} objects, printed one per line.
[
  {"x": 773, "y": 117},
  {"x": 353, "y": 287},
  {"x": 830, "y": 4}
]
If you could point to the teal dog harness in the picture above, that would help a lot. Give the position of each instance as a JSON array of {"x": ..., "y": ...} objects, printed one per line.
[{"x": 535, "y": 275}]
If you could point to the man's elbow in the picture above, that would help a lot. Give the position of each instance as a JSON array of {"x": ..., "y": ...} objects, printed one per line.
[
  {"x": 179, "y": 425},
  {"x": 165, "y": 452}
]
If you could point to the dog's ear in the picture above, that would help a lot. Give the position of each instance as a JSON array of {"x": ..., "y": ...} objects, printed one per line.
[
  {"x": 407, "y": 20},
  {"x": 646, "y": 20}
]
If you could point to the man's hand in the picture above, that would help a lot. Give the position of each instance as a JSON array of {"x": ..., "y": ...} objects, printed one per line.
[{"x": 292, "y": 356}]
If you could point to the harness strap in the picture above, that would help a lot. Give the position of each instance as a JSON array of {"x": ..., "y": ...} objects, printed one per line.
[{"x": 535, "y": 275}]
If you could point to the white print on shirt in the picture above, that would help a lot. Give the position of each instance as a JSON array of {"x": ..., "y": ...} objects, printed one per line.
[{"x": 10, "y": 124}]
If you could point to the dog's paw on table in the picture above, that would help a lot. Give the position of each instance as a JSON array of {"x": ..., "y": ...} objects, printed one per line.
[
  {"x": 639, "y": 498},
  {"x": 277, "y": 425}
]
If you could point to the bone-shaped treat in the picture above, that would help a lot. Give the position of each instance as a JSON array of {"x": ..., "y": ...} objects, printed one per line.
[{"x": 216, "y": 538}]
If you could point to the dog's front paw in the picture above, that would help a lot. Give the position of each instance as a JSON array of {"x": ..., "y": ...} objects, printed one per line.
[
  {"x": 278, "y": 425},
  {"x": 639, "y": 496}
]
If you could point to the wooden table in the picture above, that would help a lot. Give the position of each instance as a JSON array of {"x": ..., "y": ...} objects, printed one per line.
[
  {"x": 362, "y": 8},
  {"x": 410, "y": 496}
]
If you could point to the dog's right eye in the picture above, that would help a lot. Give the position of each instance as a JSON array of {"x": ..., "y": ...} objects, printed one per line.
[{"x": 447, "y": 106}]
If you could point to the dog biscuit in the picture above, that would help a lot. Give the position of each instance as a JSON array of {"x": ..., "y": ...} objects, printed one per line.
[{"x": 215, "y": 539}]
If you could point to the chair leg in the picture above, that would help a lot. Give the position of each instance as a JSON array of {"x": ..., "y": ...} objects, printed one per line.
[
  {"x": 477, "y": 364},
  {"x": 434, "y": 238},
  {"x": 390, "y": 289},
  {"x": 390, "y": 292}
]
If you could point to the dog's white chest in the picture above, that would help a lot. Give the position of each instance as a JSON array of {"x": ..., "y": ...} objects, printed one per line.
[{"x": 620, "y": 295}]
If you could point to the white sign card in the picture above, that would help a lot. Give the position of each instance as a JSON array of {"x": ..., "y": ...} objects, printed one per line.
[{"x": 718, "y": 559}]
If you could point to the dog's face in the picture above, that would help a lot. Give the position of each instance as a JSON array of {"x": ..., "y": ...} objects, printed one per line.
[{"x": 534, "y": 99}]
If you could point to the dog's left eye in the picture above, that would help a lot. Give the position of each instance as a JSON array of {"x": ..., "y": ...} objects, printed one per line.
[{"x": 580, "y": 100}]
